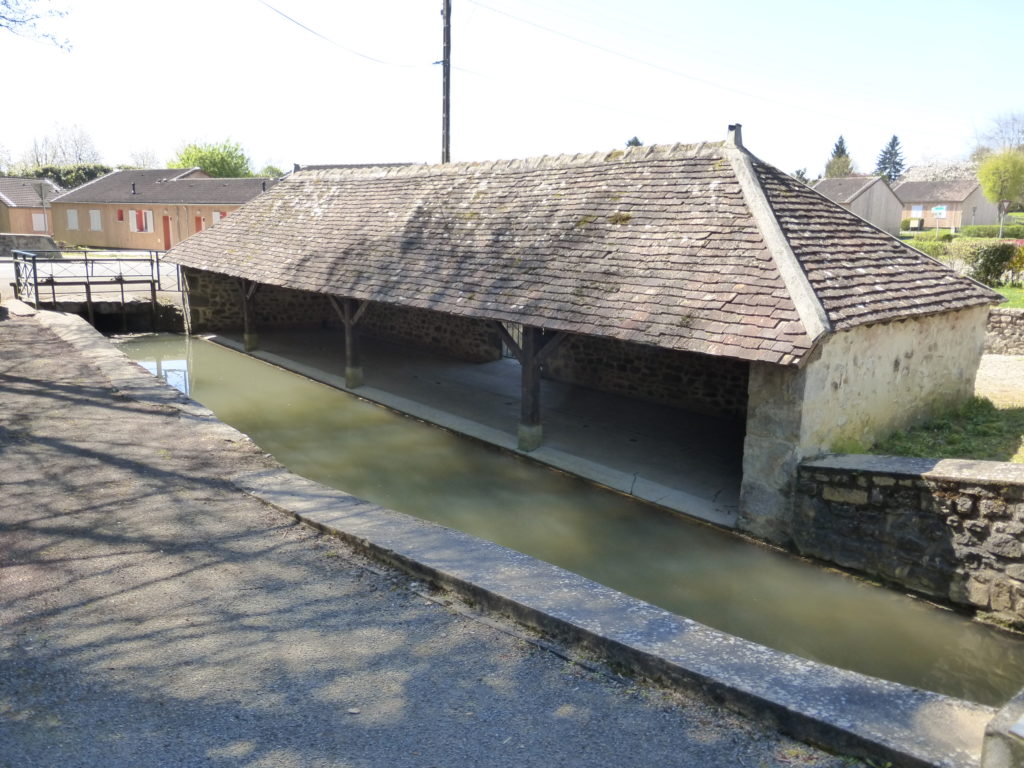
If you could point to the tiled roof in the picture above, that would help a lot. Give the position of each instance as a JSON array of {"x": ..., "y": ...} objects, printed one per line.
[
  {"x": 844, "y": 189},
  {"x": 16, "y": 192},
  {"x": 861, "y": 274},
  {"x": 656, "y": 245},
  {"x": 948, "y": 191},
  {"x": 169, "y": 186}
]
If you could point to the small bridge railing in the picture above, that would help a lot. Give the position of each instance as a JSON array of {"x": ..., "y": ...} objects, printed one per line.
[{"x": 52, "y": 277}]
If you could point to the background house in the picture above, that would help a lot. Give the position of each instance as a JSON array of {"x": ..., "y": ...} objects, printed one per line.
[
  {"x": 25, "y": 205},
  {"x": 148, "y": 209},
  {"x": 945, "y": 203},
  {"x": 867, "y": 196}
]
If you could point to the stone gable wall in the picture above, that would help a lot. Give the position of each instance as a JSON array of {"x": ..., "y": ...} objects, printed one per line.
[
  {"x": 949, "y": 529},
  {"x": 701, "y": 383},
  {"x": 1005, "y": 332}
]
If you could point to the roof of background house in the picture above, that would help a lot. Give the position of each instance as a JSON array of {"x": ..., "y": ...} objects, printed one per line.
[
  {"x": 700, "y": 248},
  {"x": 168, "y": 186},
  {"x": 845, "y": 189},
  {"x": 16, "y": 192},
  {"x": 947, "y": 191}
]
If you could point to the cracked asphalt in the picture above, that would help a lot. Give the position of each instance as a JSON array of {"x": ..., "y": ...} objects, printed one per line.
[{"x": 153, "y": 615}]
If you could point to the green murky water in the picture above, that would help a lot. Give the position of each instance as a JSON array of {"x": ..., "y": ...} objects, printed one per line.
[{"x": 688, "y": 568}]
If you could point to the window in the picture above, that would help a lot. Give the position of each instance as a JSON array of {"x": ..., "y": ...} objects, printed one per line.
[
  {"x": 218, "y": 215},
  {"x": 72, "y": 218},
  {"x": 140, "y": 221},
  {"x": 38, "y": 222},
  {"x": 95, "y": 222},
  {"x": 916, "y": 211}
]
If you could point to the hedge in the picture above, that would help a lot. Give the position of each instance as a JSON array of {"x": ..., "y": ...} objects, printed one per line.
[{"x": 1012, "y": 231}]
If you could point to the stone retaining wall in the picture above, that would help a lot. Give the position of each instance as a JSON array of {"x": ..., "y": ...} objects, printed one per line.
[
  {"x": 950, "y": 529},
  {"x": 701, "y": 383},
  {"x": 464, "y": 338},
  {"x": 214, "y": 304},
  {"x": 1005, "y": 332}
]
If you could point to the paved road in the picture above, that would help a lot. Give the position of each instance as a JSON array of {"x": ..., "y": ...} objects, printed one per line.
[{"x": 151, "y": 615}]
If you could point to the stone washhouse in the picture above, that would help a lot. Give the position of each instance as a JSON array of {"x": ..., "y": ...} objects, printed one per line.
[{"x": 697, "y": 276}]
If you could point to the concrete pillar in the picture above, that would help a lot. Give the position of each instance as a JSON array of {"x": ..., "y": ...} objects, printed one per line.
[
  {"x": 1004, "y": 737},
  {"x": 771, "y": 451}
]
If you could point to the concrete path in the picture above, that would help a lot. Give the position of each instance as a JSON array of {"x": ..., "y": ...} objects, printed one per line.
[{"x": 153, "y": 615}]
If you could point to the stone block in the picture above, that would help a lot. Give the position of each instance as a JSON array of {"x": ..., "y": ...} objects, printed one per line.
[
  {"x": 1004, "y": 546},
  {"x": 845, "y": 495},
  {"x": 965, "y": 506},
  {"x": 1000, "y": 595},
  {"x": 884, "y": 481},
  {"x": 992, "y": 508}
]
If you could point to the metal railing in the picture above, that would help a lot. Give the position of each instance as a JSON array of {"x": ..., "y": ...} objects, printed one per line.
[{"x": 53, "y": 277}]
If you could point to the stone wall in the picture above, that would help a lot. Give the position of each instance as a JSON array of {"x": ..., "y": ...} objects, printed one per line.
[
  {"x": 18, "y": 242},
  {"x": 858, "y": 386},
  {"x": 949, "y": 529},
  {"x": 1005, "y": 332},
  {"x": 214, "y": 304},
  {"x": 464, "y": 338},
  {"x": 701, "y": 383}
]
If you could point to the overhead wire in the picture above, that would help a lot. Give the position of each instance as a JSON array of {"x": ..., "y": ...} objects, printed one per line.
[{"x": 335, "y": 43}]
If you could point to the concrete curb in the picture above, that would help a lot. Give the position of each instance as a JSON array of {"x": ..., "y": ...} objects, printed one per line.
[{"x": 837, "y": 709}]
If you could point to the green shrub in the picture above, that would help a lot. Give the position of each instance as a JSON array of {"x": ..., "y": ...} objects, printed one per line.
[
  {"x": 904, "y": 225},
  {"x": 991, "y": 262},
  {"x": 934, "y": 248},
  {"x": 1013, "y": 231},
  {"x": 942, "y": 235}
]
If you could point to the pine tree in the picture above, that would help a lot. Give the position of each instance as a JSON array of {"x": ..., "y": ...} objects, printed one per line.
[
  {"x": 839, "y": 164},
  {"x": 890, "y": 161}
]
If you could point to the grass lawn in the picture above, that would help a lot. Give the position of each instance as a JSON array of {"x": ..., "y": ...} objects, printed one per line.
[
  {"x": 978, "y": 430},
  {"x": 1014, "y": 297}
]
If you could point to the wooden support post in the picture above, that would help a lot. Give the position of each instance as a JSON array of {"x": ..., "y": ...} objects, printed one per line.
[
  {"x": 350, "y": 311},
  {"x": 250, "y": 338},
  {"x": 536, "y": 348}
]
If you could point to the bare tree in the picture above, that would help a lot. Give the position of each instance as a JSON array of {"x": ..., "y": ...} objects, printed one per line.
[
  {"x": 22, "y": 17},
  {"x": 67, "y": 145},
  {"x": 144, "y": 158},
  {"x": 1006, "y": 133}
]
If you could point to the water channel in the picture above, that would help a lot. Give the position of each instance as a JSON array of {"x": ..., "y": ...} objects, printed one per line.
[{"x": 686, "y": 567}]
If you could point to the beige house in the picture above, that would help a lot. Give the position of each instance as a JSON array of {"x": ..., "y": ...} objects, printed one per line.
[
  {"x": 148, "y": 209},
  {"x": 945, "y": 204},
  {"x": 716, "y": 271},
  {"x": 25, "y": 205},
  {"x": 867, "y": 196}
]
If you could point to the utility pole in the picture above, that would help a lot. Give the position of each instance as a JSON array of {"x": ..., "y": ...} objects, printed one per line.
[{"x": 446, "y": 85}]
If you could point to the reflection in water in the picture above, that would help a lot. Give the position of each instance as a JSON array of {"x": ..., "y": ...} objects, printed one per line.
[{"x": 688, "y": 568}]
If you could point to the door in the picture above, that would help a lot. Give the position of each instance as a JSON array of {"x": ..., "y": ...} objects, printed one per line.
[{"x": 167, "y": 233}]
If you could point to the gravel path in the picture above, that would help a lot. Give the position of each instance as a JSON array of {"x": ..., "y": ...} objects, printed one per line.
[
  {"x": 150, "y": 615},
  {"x": 1001, "y": 379}
]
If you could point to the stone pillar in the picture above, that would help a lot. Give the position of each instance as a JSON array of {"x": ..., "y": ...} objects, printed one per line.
[
  {"x": 1004, "y": 737},
  {"x": 771, "y": 451}
]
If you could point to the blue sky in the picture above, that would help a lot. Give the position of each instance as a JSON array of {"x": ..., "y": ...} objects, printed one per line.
[{"x": 531, "y": 77}]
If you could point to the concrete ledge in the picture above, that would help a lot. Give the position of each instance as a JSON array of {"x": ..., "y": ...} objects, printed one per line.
[
  {"x": 961, "y": 470},
  {"x": 837, "y": 709}
]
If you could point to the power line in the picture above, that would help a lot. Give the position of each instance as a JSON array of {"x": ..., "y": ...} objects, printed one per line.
[{"x": 335, "y": 43}]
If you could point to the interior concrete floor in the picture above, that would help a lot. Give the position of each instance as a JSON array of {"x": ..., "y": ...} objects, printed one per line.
[{"x": 687, "y": 462}]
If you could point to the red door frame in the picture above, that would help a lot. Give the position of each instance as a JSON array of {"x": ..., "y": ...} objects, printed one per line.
[{"x": 167, "y": 233}]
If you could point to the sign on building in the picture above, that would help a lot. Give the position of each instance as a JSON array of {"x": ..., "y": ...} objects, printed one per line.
[{"x": 939, "y": 212}]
